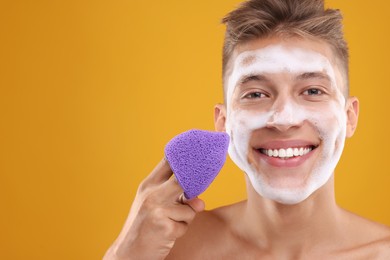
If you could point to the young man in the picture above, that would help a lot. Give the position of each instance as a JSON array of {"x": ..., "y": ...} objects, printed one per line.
[{"x": 288, "y": 112}]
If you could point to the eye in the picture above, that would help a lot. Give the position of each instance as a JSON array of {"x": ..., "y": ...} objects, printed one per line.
[
  {"x": 313, "y": 92},
  {"x": 254, "y": 95}
]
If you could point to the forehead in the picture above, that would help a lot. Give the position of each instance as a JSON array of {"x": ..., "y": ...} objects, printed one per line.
[
  {"x": 291, "y": 43},
  {"x": 272, "y": 55},
  {"x": 280, "y": 58}
]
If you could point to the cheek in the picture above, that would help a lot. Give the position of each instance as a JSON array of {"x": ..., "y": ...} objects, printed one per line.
[
  {"x": 240, "y": 125},
  {"x": 331, "y": 126},
  {"x": 243, "y": 122},
  {"x": 238, "y": 130}
]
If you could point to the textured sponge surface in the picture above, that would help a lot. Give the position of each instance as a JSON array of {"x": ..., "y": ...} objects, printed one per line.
[{"x": 196, "y": 157}]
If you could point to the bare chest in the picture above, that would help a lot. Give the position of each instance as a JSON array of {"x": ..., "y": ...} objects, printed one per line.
[{"x": 225, "y": 247}]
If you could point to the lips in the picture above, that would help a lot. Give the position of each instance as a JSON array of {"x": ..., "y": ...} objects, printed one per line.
[{"x": 286, "y": 153}]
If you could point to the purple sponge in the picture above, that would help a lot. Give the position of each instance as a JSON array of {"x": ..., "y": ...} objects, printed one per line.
[{"x": 196, "y": 157}]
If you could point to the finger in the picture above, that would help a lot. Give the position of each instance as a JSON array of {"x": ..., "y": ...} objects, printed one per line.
[
  {"x": 161, "y": 173},
  {"x": 176, "y": 229},
  {"x": 171, "y": 189},
  {"x": 181, "y": 213},
  {"x": 196, "y": 204}
]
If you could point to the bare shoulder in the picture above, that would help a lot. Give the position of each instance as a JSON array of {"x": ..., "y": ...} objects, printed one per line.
[
  {"x": 368, "y": 238},
  {"x": 208, "y": 235}
]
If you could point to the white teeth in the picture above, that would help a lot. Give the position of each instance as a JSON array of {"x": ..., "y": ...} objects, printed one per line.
[{"x": 286, "y": 153}]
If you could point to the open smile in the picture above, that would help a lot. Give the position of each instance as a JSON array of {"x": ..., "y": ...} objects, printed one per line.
[
  {"x": 289, "y": 154},
  {"x": 286, "y": 153}
]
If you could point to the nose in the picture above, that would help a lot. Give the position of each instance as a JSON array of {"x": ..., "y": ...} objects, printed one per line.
[{"x": 285, "y": 116}]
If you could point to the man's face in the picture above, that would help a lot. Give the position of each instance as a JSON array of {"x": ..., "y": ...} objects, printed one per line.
[{"x": 286, "y": 115}]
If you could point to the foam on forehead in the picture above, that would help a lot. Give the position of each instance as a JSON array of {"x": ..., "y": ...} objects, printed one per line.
[{"x": 275, "y": 59}]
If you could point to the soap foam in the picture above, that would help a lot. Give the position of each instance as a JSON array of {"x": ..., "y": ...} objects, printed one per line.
[{"x": 329, "y": 124}]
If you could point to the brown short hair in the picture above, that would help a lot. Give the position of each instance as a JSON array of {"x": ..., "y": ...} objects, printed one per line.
[{"x": 255, "y": 19}]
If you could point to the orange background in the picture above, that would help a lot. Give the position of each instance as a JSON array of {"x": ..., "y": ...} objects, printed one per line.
[{"x": 91, "y": 91}]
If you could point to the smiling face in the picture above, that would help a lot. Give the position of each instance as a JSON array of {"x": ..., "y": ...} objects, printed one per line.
[{"x": 286, "y": 116}]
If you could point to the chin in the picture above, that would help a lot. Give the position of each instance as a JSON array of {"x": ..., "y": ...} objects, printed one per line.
[
  {"x": 287, "y": 197},
  {"x": 290, "y": 195}
]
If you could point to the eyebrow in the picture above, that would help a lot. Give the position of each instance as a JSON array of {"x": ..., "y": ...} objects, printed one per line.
[
  {"x": 304, "y": 76},
  {"x": 252, "y": 77},
  {"x": 314, "y": 75}
]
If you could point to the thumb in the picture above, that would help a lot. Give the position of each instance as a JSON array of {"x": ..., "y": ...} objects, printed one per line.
[{"x": 196, "y": 204}]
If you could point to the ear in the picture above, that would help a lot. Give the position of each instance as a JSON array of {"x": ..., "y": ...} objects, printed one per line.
[
  {"x": 352, "y": 115},
  {"x": 220, "y": 117}
]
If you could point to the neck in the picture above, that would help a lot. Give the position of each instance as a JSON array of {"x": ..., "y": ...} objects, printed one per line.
[{"x": 298, "y": 227}]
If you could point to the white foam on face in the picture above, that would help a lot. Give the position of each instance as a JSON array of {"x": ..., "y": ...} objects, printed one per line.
[{"x": 330, "y": 121}]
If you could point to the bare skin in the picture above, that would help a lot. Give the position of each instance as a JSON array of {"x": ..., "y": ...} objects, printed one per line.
[
  {"x": 157, "y": 218},
  {"x": 262, "y": 229},
  {"x": 161, "y": 226}
]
